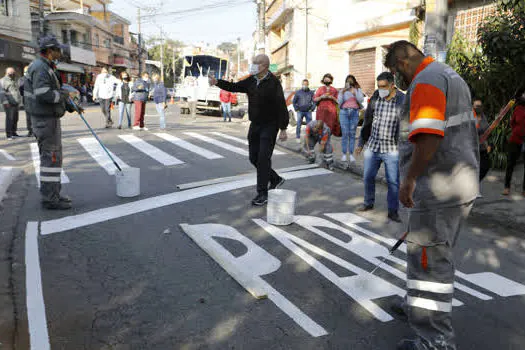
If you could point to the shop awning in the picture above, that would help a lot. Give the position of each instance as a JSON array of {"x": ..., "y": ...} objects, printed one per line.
[{"x": 68, "y": 67}]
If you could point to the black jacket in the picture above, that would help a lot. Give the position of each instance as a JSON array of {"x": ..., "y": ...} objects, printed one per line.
[{"x": 266, "y": 103}]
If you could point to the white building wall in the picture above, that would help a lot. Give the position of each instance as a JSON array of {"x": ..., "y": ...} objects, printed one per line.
[{"x": 17, "y": 25}]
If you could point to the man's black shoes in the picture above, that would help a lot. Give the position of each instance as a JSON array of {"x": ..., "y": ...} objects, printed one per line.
[
  {"x": 365, "y": 207},
  {"x": 58, "y": 205},
  {"x": 260, "y": 200},
  {"x": 394, "y": 216}
]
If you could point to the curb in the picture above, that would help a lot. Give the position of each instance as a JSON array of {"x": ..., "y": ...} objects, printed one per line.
[
  {"x": 8, "y": 174},
  {"x": 501, "y": 220}
]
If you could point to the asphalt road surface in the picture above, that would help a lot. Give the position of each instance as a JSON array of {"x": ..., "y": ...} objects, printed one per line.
[{"x": 195, "y": 266}]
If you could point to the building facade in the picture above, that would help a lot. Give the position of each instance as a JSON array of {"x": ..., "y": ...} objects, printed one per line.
[{"x": 15, "y": 35}]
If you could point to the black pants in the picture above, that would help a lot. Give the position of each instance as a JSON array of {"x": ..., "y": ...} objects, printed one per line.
[
  {"x": 513, "y": 155},
  {"x": 105, "y": 106},
  {"x": 484, "y": 164},
  {"x": 11, "y": 120},
  {"x": 261, "y": 140}
]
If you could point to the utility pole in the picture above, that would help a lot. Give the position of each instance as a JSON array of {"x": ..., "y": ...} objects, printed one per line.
[
  {"x": 41, "y": 18},
  {"x": 140, "y": 43},
  {"x": 435, "y": 27},
  {"x": 173, "y": 65},
  {"x": 161, "y": 55},
  {"x": 306, "y": 41},
  {"x": 238, "y": 58},
  {"x": 261, "y": 12}
]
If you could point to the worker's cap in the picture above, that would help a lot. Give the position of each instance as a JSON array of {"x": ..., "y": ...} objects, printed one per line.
[{"x": 49, "y": 42}]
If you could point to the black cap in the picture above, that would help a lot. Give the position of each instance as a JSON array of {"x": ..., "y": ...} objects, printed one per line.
[{"x": 49, "y": 42}]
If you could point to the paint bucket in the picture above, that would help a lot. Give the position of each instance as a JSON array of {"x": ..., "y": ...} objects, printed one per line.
[
  {"x": 128, "y": 182},
  {"x": 281, "y": 207}
]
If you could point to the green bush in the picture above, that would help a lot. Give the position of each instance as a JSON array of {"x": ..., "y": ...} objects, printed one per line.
[{"x": 495, "y": 68}]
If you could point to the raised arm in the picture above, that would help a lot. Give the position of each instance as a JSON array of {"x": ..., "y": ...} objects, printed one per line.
[{"x": 241, "y": 86}]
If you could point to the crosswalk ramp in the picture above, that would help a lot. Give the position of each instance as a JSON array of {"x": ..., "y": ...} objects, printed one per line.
[{"x": 153, "y": 146}]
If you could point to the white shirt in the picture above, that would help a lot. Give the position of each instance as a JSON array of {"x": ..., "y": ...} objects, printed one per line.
[{"x": 104, "y": 86}]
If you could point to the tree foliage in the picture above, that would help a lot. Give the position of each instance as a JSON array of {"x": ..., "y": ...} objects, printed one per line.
[
  {"x": 170, "y": 47},
  {"x": 494, "y": 69}
]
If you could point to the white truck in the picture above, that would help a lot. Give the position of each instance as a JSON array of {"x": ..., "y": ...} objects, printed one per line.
[{"x": 195, "y": 85}]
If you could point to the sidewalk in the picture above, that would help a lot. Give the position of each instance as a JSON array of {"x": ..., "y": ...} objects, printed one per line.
[{"x": 506, "y": 211}]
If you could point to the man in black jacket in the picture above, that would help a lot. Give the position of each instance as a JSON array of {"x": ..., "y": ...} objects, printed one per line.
[{"x": 268, "y": 113}]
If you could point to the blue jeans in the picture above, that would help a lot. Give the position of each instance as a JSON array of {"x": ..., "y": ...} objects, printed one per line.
[
  {"x": 226, "y": 110},
  {"x": 160, "y": 110},
  {"x": 348, "y": 118},
  {"x": 372, "y": 164},
  {"x": 300, "y": 116},
  {"x": 124, "y": 107}
]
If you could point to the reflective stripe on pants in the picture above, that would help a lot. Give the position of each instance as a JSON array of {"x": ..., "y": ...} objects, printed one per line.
[{"x": 430, "y": 274}]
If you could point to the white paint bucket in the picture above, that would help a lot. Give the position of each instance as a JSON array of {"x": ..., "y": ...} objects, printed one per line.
[
  {"x": 128, "y": 182},
  {"x": 281, "y": 207}
]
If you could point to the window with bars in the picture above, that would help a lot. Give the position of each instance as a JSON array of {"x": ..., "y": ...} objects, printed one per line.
[
  {"x": 467, "y": 22},
  {"x": 4, "y": 8}
]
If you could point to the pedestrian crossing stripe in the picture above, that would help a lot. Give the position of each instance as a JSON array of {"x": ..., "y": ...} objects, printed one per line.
[
  {"x": 189, "y": 146},
  {"x": 151, "y": 151},
  {"x": 35, "y": 154},
  {"x": 242, "y": 141},
  {"x": 218, "y": 143},
  {"x": 96, "y": 151}
]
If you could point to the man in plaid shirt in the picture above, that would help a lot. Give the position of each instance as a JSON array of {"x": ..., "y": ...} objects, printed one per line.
[{"x": 379, "y": 137}]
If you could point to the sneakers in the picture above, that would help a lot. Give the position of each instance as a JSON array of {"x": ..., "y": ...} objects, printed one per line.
[
  {"x": 136, "y": 127},
  {"x": 260, "y": 200},
  {"x": 394, "y": 216},
  {"x": 277, "y": 184},
  {"x": 10, "y": 138},
  {"x": 364, "y": 208},
  {"x": 506, "y": 192},
  {"x": 30, "y": 134},
  {"x": 119, "y": 127},
  {"x": 59, "y": 205},
  {"x": 343, "y": 158},
  {"x": 352, "y": 159},
  {"x": 144, "y": 128}
]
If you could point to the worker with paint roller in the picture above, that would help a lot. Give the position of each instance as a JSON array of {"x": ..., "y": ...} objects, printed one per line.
[
  {"x": 439, "y": 166},
  {"x": 47, "y": 103},
  {"x": 317, "y": 132}
]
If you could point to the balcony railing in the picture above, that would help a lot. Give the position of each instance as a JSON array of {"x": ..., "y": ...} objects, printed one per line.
[{"x": 276, "y": 12}]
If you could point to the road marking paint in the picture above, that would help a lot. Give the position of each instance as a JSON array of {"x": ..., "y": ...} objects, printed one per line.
[
  {"x": 7, "y": 155},
  {"x": 242, "y": 141},
  {"x": 35, "y": 154},
  {"x": 495, "y": 283},
  {"x": 189, "y": 185},
  {"x": 133, "y": 208},
  {"x": 151, "y": 151},
  {"x": 96, "y": 151},
  {"x": 218, "y": 143},
  {"x": 36, "y": 310},
  {"x": 248, "y": 268},
  {"x": 351, "y": 220},
  {"x": 6, "y": 175},
  {"x": 189, "y": 146}
]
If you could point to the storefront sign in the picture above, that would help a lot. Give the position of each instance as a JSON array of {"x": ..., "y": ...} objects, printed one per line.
[{"x": 16, "y": 52}]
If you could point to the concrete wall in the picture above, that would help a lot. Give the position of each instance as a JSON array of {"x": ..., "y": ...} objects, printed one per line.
[{"x": 17, "y": 25}]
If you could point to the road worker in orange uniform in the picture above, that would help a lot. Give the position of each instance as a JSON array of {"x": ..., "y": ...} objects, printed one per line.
[{"x": 439, "y": 167}]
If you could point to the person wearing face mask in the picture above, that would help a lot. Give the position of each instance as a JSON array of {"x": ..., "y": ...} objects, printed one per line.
[
  {"x": 326, "y": 99},
  {"x": 350, "y": 102},
  {"x": 47, "y": 103},
  {"x": 484, "y": 148},
  {"x": 439, "y": 167},
  {"x": 303, "y": 104},
  {"x": 123, "y": 98},
  {"x": 11, "y": 101},
  {"x": 140, "y": 93},
  {"x": 21, "y": 84},
  {"x": 268, "y": 114},
  {"x": 379, "y": 136},
  {"x": 159, "y": 98},
  {"x": 104, "y": 93}
]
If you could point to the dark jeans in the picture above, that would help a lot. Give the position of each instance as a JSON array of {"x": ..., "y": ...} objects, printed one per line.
[
  {"x": 11, "y": 120},
  {"x": 513, "y": 155},
  {"x": 261, "y": 141},
  {"x": 300, "y": 116},
  {"x": 484, "y": 164},
  {"x": 105, "y": 106}
]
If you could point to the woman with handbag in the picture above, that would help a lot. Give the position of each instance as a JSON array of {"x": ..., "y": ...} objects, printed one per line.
[
  {"x": 326, "y": 100},
  {"x": 350, "y": 102}
]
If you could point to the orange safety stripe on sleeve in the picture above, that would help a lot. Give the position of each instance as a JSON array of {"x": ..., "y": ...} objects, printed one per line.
[
  {"x": 427, "y": 102},
  {"x": 428, "y": 60},
  {"x": 308, "y": 130}
]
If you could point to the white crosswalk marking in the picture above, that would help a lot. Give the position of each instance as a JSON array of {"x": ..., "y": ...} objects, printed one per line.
[
  {"x": 36, "y": 163},
  {"x": 96, "y": 151},
  {"x": 150, "y": 150},
  {"x": 189, "y": 146},
  {"x": 243, "y": 141},
  {"x": 217, "y": 143},
  {"x": 7, "y": 155}
]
